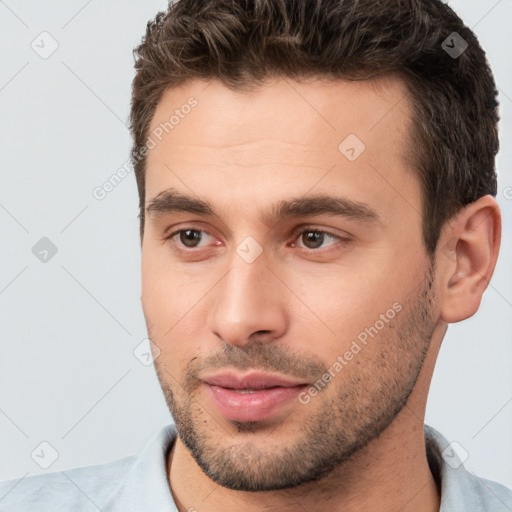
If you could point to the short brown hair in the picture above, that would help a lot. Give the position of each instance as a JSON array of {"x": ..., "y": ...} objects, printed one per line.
[{"x": 454, "y": 139}]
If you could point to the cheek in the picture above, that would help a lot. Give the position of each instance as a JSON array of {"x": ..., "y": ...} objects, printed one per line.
[
  {"x": 161, "y": 293},
  {"x": 343, "y": 301},
  {"x": 173, "y": 304}
]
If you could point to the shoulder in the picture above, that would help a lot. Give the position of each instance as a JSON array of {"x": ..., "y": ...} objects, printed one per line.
[
  {"x": 83, "y": 489},
  {"x": 459, "y": 486},
  {"x": 134, "y": 483},
  {"x": 489, "y": 494}
]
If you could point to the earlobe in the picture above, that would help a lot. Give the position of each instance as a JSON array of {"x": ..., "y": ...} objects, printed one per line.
[{"x": 467, "y": 257}]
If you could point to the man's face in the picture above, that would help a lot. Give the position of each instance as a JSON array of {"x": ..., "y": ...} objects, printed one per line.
[{"x": 346, "y": 314}]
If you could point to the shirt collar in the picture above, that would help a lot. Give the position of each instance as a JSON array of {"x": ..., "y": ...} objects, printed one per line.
[
  {"x": 148, "y": 486},
  {"x": 460, "y": 490}
]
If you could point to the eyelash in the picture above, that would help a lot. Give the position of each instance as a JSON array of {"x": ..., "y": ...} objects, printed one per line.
[{"x": 296, "y": 233}]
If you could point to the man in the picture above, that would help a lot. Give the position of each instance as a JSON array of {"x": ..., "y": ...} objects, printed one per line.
[{"x": 317, "y": 189}]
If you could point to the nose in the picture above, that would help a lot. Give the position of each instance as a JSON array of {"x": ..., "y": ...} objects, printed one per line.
[{"x": 248, "y": 302}]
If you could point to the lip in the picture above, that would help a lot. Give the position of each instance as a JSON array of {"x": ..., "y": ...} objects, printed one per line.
[
  {"x": 252, "y": 380},
  {"x": 271, "y": 392}
]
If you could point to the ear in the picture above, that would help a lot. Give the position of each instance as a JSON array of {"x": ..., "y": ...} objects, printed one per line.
[{"x": 466, "y": 258}]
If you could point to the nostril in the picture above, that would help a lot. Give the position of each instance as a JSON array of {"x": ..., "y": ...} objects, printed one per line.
[{"x": 261, "y": 332}]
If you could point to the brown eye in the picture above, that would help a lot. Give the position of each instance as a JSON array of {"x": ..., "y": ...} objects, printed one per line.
[
  {"x": 188, "y": 237},
  {"x": 313, "y": 239}
]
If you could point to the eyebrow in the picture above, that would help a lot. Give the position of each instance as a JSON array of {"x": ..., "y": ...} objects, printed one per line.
[{"x": 172, "y": 201}]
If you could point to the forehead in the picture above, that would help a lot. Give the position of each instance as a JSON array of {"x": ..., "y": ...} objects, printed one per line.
[
  {"x": 282, "y": 138},
  {"x": 316, "y": 112}
]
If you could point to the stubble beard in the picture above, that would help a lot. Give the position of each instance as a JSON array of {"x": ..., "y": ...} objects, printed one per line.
[{"x": 366, "y": 403}]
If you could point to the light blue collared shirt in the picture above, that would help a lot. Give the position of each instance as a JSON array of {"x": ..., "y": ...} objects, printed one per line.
[{"x": 138, "y": 483}]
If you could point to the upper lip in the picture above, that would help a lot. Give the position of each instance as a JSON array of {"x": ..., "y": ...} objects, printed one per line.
[{"x": 253, "y": 380}]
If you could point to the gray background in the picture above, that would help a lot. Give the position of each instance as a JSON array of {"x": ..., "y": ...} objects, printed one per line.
[{"x": 69, "y": 326}]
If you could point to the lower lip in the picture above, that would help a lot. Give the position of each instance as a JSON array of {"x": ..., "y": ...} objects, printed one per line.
[{"x": 251, "y": 406}]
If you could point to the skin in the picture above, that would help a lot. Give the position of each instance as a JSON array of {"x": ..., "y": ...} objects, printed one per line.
[{"x": 358, "y": 444}]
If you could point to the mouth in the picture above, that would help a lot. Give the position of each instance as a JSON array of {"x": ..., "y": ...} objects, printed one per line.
[{"x": 252, "y": 397}]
